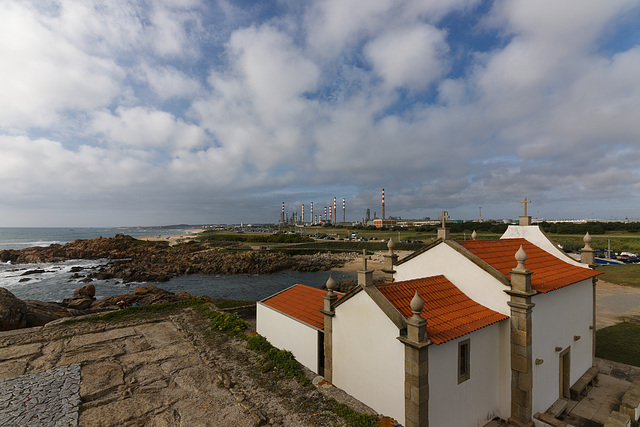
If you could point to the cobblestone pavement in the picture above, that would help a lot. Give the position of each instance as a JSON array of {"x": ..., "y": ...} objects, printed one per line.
[{"x": 45, "y": 398}]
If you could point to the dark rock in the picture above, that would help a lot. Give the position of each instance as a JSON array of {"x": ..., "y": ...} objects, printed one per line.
[
  {"x": 85, "y": 291},
  {"x": 78, "y": 303},
  {"x": 76, "y": 269},
  {"x": 144, "y": 295},
  {"x": 36, "y": 271},
  {"x": 13, "y": 312},
  {"x": 40, "y": 313},
  {"x": 24, "y": 279}
]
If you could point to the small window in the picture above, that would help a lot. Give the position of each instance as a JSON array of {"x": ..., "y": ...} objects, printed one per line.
[{"x": 464, "y": 363}]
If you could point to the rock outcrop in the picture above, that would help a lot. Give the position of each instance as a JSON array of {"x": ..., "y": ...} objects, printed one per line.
[
  {"x": 13, "y": 312},
  {"x": 139, "y": 261},
  {"x": 18, "y": 314}
]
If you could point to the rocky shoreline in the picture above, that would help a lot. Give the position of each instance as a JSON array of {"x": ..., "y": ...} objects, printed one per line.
[
  {"x": 132, "y": 260},
  {"x": 17, "y": 314}
]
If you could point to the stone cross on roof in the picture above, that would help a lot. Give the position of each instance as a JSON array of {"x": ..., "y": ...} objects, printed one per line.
[
  {"x": 444, "y": 217},
  {"x": 525, "y": 201}
]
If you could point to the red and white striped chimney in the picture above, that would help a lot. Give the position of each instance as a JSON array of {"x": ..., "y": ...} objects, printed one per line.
[
  {"x": 344, "y": 207},
  {"x": 335, "y": 212},
  {"x": 383, "y": 203},
  {"x": 303, "y": 213}
]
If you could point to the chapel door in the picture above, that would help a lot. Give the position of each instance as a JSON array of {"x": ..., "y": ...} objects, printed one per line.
[{"x": 565, "y": 371}]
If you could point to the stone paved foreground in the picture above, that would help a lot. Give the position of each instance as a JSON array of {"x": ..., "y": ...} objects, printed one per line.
[
  {"x": 48, "y": 398},
  {"x": 146, "y": 374}
]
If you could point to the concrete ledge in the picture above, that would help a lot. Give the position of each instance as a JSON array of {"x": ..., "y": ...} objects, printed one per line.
[
  {"x": 618, "y": 419},
  {"x": 550, "y": 420},
  {"x": 631, "y": 401}
]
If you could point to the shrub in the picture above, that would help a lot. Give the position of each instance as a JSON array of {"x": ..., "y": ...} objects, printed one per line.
[
  {"x": 285, "y": 363},
  {"x": 259, "y": 343}
]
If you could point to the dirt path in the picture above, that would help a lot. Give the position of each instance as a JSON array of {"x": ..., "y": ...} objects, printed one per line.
[
  {"x": 614, "y": 302},
  {"x": 375, "y": 262}
]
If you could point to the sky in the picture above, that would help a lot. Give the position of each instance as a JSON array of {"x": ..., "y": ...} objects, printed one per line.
[{"x": 124, "y": 113}]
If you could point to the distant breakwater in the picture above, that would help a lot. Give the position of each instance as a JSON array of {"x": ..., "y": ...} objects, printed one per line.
[{"x": 133, "y": 260}]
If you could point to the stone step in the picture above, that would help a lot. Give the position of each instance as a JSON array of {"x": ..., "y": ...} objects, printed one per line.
[{"x": 558, "y": 407}]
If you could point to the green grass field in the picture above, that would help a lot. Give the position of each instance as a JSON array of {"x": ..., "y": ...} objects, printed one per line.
[
  {"x": 620, "y": 343},
  {"x": 625, "y": 274}
]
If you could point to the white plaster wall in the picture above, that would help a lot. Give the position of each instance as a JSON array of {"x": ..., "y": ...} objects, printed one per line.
[
  {"x": 475, "y": 282},
  {"x": 475, "y": 401},
  {"x": 535, "y": 235},
  {"x": 288, "y": 333},
  {"x": 368, "y": 359},
  {"x": 557, "y": 317}
]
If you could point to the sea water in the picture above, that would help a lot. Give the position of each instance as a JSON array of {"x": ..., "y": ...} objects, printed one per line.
[
  {"x": 20, "y": 238},
  {"x": 56, "y": 281}
]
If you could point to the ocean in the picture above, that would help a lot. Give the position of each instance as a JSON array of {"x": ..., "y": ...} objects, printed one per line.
[{"x": 57, "y": 281}]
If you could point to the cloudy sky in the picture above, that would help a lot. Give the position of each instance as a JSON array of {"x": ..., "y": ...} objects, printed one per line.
[{"x": 186, "y": 111}]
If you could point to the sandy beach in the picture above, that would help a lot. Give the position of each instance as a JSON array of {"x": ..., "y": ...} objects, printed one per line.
[{"x": 173, "y": 239}]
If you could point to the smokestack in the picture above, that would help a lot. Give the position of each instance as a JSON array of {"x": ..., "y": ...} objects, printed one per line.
[
  {"x": 282, "y": 216},
  {"x": 368, "y": 217},
  {"x": 325, "y": 213},
  {"x": 383, "y": 203},
  {"x": 335, "y": 211},
  {"x": 330, "y": 215},
  {"x": 311, "y": 211},
  {"x": 344, "y": 207},
  {"x": 303, "y": 213}
]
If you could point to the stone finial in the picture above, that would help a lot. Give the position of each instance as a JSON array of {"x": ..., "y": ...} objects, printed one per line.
[
  {"x": 586, "y": 253},
  {"x": 331, "y": 284},
  {"x": 391, "y": 245},
  {"x": 474, "y": 235},
  {"x": 521, "y": 257},
  {"x": 416, "y": 305}
]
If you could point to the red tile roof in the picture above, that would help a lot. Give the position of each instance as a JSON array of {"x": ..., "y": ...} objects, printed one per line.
[
  {"x": 301, "y": 302},
  {"x": 449, "y": 312},
  {"x": 549, "y": 273}
]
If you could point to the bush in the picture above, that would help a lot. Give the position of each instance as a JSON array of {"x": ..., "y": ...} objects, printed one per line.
[
  {"x": 351, "y": 416},
  {"x": 259, "y": 343},
  {"x": 285, "y": 363}
]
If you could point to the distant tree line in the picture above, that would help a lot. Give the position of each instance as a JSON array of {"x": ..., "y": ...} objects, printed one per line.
[{"x": 591, "y": 227}]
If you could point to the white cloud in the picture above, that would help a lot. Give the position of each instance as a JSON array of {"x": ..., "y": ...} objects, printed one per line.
[
  {"x": 44, "y": 168},
  {"x": 411, "y": 57},
  {"x": 44, "y": 73},
  {"x": 141, "y": 127}
]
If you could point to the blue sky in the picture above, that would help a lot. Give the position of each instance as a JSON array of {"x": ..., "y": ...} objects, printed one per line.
[{"x": 189, "y": 111}]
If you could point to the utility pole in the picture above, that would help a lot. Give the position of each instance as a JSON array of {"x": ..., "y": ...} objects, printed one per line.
[{"x": 480, "y": 208}]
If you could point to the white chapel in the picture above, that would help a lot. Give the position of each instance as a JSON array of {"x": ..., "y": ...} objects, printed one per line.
[{"x": 464, "y": 332}]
